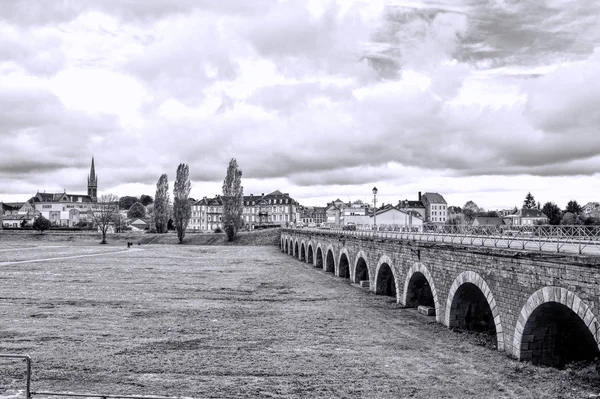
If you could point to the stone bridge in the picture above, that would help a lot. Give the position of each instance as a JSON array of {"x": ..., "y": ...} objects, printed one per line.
[{"x": 540, "y": 307}]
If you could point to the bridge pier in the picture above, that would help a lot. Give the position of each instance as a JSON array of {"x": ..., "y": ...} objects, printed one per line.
[{"x": 540, "y": 308}]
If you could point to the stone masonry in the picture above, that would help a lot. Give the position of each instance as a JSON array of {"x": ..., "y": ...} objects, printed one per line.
[{"x": 513, "y": 283}]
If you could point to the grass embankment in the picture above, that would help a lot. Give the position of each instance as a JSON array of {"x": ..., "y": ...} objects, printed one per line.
[{"x": 258, "y": 237}]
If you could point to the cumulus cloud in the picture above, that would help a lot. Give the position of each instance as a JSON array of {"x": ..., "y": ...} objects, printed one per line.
[{"x": 334, "y": 95}]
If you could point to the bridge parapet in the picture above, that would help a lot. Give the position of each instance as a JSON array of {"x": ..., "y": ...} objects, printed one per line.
[
  {"x": 540, "y": 306},
  {"x": 558, "y": 239}
]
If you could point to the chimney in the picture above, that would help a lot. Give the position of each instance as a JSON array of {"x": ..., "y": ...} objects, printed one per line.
[{"x": 419, "y": 196}]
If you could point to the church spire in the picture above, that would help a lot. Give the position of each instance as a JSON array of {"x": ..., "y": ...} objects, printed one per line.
[
  {"x": 93, "y": 182},
  {"x": 93, "y": 171}
]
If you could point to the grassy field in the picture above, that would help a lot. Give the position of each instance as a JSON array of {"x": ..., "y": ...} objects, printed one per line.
[
  {"x": 10, "y": 238},
  {"x": 234, "y": 322}
]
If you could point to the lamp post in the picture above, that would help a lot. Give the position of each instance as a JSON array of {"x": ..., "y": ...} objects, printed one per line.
[{"x": 375, "y": 208}]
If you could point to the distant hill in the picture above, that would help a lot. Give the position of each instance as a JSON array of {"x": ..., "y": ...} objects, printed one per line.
[{"x": 591, "y": 209}]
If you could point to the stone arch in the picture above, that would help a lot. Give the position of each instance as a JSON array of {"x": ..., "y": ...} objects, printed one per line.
[
  {"x": 319, "y": 257},
  {"x": 310, "y": 253},
  {"x": 465, "y": 281},
  {"x": 343, "y": 264},
  {"x": 302, "y": 256},
  {"x": 296, "y": 252},
  {"x": 575, "y": 323},
  {"x": 287, "y": 249},
  {"x": 385, "y": 279},
  {"x": 329, "y": 264},
  {"x": 361, "y": 269},
  {"x": 414, "y": 271}
]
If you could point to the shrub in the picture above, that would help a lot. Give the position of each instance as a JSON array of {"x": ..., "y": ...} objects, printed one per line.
[{"x": 218, "y": 230}]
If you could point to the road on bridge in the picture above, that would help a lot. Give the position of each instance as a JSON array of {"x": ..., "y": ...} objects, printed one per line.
[
  {"x": 532, "y": 243},
  {"x": 240, "y": 322}
]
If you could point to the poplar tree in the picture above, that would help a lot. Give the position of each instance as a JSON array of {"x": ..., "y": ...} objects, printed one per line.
[
  {"x": 161, "y": 204},
  {"x": 182, "y": 209},
  {"x": 233, "y": 200}
]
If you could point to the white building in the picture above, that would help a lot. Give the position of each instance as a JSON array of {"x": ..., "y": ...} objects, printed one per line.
[
  {"x": 436, "y": 208},
  {"x": 392, "y": 215}
]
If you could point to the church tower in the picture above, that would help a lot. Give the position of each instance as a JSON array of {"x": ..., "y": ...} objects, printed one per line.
[{"x": 93, "y": 183}]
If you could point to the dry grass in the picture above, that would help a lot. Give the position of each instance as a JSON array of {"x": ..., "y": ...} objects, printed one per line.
[{"x": 236, "y": 322}]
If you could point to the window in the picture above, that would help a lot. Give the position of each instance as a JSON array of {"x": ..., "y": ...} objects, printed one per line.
[{"x": 47, "y": 206}]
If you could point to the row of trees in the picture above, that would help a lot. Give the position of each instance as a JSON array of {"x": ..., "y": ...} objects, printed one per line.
[
  {"x": 571, "y": 215},
  {"x": 182, "y": 208},
  {"x": 233, "y": 201}
]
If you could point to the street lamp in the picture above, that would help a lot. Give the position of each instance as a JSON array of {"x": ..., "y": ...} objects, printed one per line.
[{"x": 375, "y": 207}]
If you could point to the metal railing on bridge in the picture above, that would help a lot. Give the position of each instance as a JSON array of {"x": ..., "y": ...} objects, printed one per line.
[
  {"x": 29, "y": 393},
  {"x": 559, "y": 239}
]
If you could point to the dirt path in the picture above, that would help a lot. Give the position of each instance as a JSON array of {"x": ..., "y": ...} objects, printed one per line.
[
  {"x": 59, "y": 258},
  {"x": 241, "y": 322}
]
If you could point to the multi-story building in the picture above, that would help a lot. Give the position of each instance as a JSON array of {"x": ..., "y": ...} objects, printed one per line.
[
  {"x": 207, "y": 214},
  {"x": 62, "y": 209},
  {"x": 274, "y": 209},
  {"x": 436, "y": 208},
  {"x": 313, "y": 214}
]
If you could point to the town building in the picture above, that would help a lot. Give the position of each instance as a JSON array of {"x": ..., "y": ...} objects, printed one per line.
[
  {"x": 310, "y": 215},
  {"x": 436, "y": 208},
  {"x": 16, "y": 214},
  {"x": 61, "y": 209},
  {"x": 207, "y": 214},
  {"x": 412, "y": 206},
  {"x": 526, "y": 217},
  {"x": 393, "y": 215},
  {"x": 488, "y": 221},
  {"x": 273, "y": 209},
  {"x": 67, "y": 210},
  {"x": 334, "y": 210},
  {"x": 270, "y": 210}
]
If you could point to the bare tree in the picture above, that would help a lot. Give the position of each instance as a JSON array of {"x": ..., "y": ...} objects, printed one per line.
[
  {"x": 233, "y": 200},
  {"x": 104, "y": 213},
  {"x": 161, "y": 204},
  {"x": 182, "y": 210}
]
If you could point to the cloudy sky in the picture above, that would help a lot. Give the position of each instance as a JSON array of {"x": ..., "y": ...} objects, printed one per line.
[{"x": 479, "y": 100}]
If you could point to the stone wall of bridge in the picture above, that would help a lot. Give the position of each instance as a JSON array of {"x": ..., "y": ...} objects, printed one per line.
[{"x": 540, "y": 307}]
